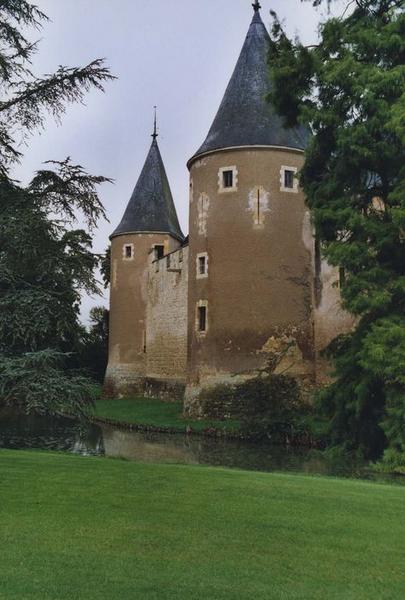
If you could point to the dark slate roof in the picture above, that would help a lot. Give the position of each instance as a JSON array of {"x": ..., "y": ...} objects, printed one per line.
[
  {"x": 244, "y": 117},
  {"x": 151, "y": 206}
]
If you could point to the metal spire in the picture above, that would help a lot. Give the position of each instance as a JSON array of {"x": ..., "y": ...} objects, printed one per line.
[
  {"x": 256, "y": 6},
  {"x": 155, "y": 133}
]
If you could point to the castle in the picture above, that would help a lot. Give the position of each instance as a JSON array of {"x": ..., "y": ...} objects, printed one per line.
[{"x": 190, "y": 313}]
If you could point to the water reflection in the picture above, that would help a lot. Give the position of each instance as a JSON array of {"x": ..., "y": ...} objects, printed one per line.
[
  {"x": 50, "y": 434},
  {"x": 67, "y": 435}
]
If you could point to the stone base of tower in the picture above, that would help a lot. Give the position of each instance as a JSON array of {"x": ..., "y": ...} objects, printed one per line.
[
  {"x": 122, "y": 381},
  {"x": 219, "y": 402},
  {"x": 216, "y": 395}
]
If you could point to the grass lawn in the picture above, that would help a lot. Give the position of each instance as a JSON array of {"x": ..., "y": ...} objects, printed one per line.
[
  {"x": 91, "y": 528},
  {"x": 150, "y": 411}
]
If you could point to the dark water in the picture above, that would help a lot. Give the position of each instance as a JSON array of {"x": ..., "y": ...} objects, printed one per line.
[{"x": 66, "y": 435}]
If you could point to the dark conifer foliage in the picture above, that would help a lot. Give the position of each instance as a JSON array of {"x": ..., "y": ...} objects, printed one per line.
[
  {"x": 45, "y": 262},
  {"x": 349, "y": 89}
]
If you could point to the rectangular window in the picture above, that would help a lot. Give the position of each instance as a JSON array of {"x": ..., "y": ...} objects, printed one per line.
[
  {"x": 202, "y": 265},
  {"x": 128, "y": 251},
  {"x": 289, "y": 179},
  {"x": 227, "y": 178},
  {"x": 159, "y": 252},
  {"x": 202, "y": 318}
]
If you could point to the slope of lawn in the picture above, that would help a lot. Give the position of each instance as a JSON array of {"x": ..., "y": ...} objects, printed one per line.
[
  {"x": 93, "y": 528},
  {"x": 154, "y": 412}
]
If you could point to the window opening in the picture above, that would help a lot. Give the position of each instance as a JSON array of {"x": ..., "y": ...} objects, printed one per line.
[
  {"x": 227, "y": 178},
  {"x": 289, "y": 179},
  {"x": 159, "y": 252},
  {"x": 202, "y": 265},
  {"x": 258, "y": 206},
  {"x": 128, "y": 251},
  {"x": 202, "y": 318}
]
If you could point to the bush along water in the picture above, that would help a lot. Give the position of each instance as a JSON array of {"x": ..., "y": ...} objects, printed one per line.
[{"x": 268, "y": 407}]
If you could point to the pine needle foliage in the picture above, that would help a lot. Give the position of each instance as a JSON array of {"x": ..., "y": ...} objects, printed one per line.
[
  {"x": 45, "y": 262},
  {"x": 349, "y": 90}
]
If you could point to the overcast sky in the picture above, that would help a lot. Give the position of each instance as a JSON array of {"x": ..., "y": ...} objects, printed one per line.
[{"x": 177, "y": 54}]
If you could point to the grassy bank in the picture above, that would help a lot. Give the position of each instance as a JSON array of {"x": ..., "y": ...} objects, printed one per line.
[
  {"x": 156, "y": 413},
  {"x": 90, "y": 528}
]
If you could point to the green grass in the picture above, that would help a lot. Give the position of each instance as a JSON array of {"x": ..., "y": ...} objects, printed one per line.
[
  {"x": 99, "y": 529},
  {"x": 150, "y": 411}
]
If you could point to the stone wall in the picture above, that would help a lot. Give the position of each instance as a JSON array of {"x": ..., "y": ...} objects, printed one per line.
[
  {"x": 329, "y": 318},
  {"x": 166, "y": 332}
]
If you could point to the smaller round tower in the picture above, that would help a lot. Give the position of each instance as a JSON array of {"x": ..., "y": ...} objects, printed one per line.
[{"x": 149, "y": 225}]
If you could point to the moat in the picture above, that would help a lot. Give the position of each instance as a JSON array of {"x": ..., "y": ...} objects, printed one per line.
[{"x": 66, "y": 435}]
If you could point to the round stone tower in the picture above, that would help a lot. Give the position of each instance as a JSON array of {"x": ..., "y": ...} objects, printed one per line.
[
  {"x": 251, "y": 246},
  {"x": 149, "y": 225}
]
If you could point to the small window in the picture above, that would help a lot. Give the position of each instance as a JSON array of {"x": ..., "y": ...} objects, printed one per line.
[
  {"x": 159, "y": 252},
  {"x": 202, "y": 318},
  {"x": 202, "y": 264},
  {"x": 128, "y": 251},
  {"x": 289, "y": 179},
  {"x": 227, "y": 178}
]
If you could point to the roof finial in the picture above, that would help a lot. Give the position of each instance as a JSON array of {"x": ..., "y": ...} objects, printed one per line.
[
  {"x": 256, "y": 6},
  {"x": 155, "y": 133}
]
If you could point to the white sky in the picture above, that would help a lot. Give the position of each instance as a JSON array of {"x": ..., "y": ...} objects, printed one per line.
[{"x": 177, "y": 54}]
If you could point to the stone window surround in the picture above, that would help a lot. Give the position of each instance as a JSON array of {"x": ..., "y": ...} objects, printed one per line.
[
  {"x": 226, "y": 190},
  {"x": 124, "y": 252},
  {"x": 200, "y": 304},
  {"x": 293, "y": 190},
  {"x": 197, "y": 264}
]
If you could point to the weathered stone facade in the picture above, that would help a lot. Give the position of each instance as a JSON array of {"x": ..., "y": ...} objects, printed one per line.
[
  {"x": 248, "y": 291},
  {"x": 166, "y": 321}
]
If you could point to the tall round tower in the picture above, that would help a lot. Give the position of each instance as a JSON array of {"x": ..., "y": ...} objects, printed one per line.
[
  {"x": 251, "y": 246},
  {"x": 149, "y": 225}
]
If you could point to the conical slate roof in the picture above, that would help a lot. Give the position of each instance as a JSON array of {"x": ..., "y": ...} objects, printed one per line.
[
  {"x": 151, "y": 206},
  {"x": 244, "y": 117}
]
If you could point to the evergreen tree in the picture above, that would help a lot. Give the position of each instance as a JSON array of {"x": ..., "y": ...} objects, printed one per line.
[
  {"x": 349, "y": 89},
  {"x": 45, "y": 263},
  {"x": 93, "y": 354}
]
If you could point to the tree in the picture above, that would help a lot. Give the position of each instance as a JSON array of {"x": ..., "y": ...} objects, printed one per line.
[
  {"x": 45, "y": 263},
  {"x": 105, "y": 267},
  {"x": 94, "y": 345},
  {"x": 349, "y": 89}
]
